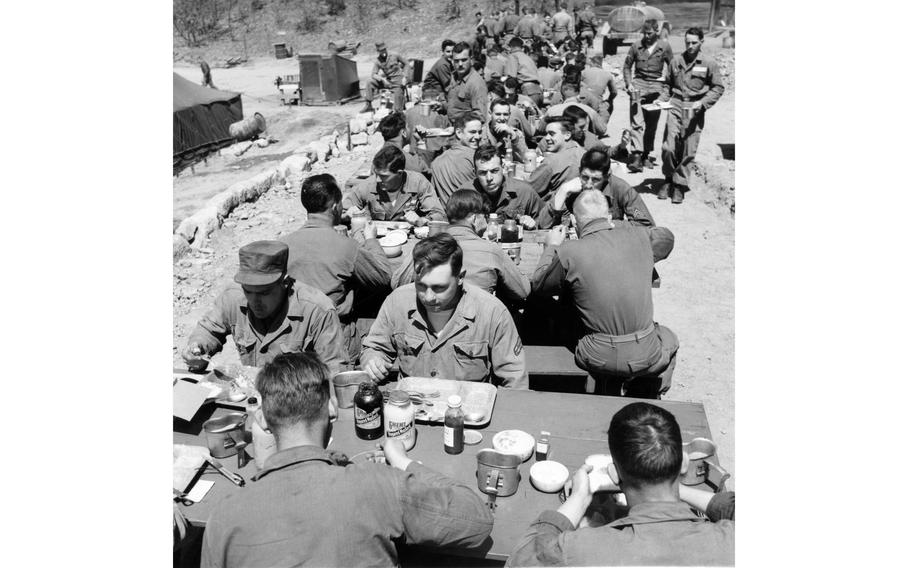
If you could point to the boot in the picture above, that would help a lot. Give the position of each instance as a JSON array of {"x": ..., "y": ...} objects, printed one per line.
[
  {"x": 635, "y": 165},
  {"x": 665, "y": 190},
  {"x": 368, "y": 107},
  {"x": 678, "y": 194}
]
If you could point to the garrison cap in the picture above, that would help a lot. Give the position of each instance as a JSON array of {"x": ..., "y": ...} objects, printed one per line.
[
  {"x": 380, "y": 45},
  {"x": 262, "y": 263}
]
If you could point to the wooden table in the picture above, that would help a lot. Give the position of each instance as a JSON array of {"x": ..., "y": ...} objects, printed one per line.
[
  {"x": 531, "y": 251},
  {"x": 577, "y": 423}
]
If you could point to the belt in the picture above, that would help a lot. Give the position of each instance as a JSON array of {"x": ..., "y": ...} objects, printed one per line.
[
  {"x": 532, "y": 81},
  {"x": 686, "y": 99},
  {"x": 637, "y": 336}
]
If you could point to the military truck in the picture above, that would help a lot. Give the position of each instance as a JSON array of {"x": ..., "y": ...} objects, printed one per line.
[{"x": 622, "y": 26}]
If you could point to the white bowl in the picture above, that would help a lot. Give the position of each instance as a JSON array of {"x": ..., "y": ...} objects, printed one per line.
[
  {"x": 549, "y": 476},
  {"x": 515, "y": 442},
  {"x": 391, "y": 244}
]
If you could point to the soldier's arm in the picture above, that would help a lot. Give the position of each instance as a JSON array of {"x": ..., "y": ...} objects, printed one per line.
[
  {"x": 634, "y": 208},
  {"x": 212, "y": 330},
  {"x": 430, "y": 206},
  {"x": 627, "y": 67},
  {"x": 717, "y": 87},
  {"x": 379, "y": 342},
  {"x": 508, "y": 355},
  {"x": 327, "y": 339},
  {"x": 550, "y": 274},
  {"x": 371, "y": 266},
  {"x": 540, "y": 178},
  {"x": 512, "y": 283}
]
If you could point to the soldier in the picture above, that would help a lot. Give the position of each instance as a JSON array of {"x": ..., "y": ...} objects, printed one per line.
[
  {"x": 608, "y": 272},
  {"x": 441, "y": 72},
  {"x": 560, "y": 162},
  {"x": 455, "y": 166},
  {"x": 267, "y": 313},
  {"x": 648, "y": 58},
  {"x": 392, "y": 127},
  {"x": 441, "y": 327},
  {"x": 392, "y": 193},
  {"x": 390, "y": 71},
  {"x": 693, "y": 87},
  {"x": 486, "y": 265},
  {"x": 467, "y": 91}
]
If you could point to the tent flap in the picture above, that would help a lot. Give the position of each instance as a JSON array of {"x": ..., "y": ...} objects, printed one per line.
[{"x": 202, "y": 117}]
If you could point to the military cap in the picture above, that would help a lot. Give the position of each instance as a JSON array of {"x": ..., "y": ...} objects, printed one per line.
[
  {"x": 380, "y": 45},
  {"x": 262, "y": 263}
]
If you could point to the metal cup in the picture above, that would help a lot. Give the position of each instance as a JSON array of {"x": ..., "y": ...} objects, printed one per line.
[
  {"x": 699, "y": 450},
  {"x": 224, "y": 435}
]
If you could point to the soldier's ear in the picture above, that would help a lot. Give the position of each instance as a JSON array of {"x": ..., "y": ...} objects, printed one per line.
[{"x": 685, "y": 464}]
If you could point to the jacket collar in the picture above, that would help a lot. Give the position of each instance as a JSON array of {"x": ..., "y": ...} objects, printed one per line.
[
  {"x": 658, "y": 512},
  {"x": 293, "y": 456},
  {"x": 295, "y": 306},
  {"x": 319, "y": 220},
  {"x": 465, "y": 311},
  {"x": 594, "y": 226}
]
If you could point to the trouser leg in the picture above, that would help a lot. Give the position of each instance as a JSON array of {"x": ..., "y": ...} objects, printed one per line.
[
  {"x": 636, "y": 126},
  {"x": 372, "y": 87},
  {"x": 605, "y": 110},
  {"x": 651, "y": 118},
  {"x": 680, "y": 145},
  {"x": 670, "y": 150},
  {"x": 398, "y": 97}
]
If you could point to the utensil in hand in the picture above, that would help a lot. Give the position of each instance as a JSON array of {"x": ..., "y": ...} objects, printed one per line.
[{"x": 234, "y": 478}]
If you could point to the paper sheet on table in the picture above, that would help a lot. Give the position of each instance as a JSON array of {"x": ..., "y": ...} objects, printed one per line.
[
  {"x": 187, "y": 460},
  {"x": 188, "y": 397},
  {"x": 200, "y": 488}
]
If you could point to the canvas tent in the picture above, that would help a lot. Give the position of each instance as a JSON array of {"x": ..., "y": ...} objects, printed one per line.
[{"x": 201, "y": 120}]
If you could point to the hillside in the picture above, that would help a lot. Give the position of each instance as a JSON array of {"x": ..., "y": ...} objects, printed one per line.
[{"x": 248, "y": 28}]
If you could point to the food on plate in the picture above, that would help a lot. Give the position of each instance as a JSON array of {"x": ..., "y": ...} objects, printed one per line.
[
  {"x": 514, "y": 442},
  {"x": 549, "y": 476}
]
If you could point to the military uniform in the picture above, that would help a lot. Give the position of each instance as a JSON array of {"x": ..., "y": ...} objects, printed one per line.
[
  {"x": 479, "y": 343},
  {"x": 412, "y": 163},
  {"x": 336, "y": 265},
  {"x": 556, "y": 169},
  {"x": 310, "y": 324},
  {"x": 520, "y": 65},
  {"x": 393, "y": 69},
  {"x": 432, "y": 146},
  {"x": 467, "y": 94},
  {"x": 626, "y": 203},
  {"x": 608, "y": 271},
  {"x": 486, "y": 266},
  {"x": 649, "y": 65},
  {"x": 451, "y": 170},
  {"x": 416, "y": 195},
  {"x": 517, "y": 198},
  {"x": 440, "y": 75},
  {"x": 586, "y": 27},
  {"x": 502, "y": 142},
  {"x": 688, "y": 82}
]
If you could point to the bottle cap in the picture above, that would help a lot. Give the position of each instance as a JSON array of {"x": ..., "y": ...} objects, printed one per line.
[
  {"x": 454, "y": 401},
  {"x": 252, "y": 400},
  {"x": 399, "y": 398}
]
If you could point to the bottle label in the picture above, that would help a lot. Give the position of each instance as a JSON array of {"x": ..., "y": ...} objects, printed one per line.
[
  {"x": 448, "y": 436},
  {"x": 399, "y": 429},
  {"x": 367, "y": 420}
]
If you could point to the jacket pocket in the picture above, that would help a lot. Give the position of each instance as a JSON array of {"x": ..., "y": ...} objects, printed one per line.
[
  {"x": 472, "y": 361},
  {"x": 294, "y": 346},
  {"x": 409, "y": 351}
]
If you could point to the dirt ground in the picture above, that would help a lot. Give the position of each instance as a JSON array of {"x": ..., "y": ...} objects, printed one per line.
[{"x": 696, "y": 299}]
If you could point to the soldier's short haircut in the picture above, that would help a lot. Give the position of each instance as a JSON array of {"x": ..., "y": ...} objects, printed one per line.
[
  {"x": 696, "y": 31},
  {"x": 294, "y": 388},
  {"x": 462, "y": 119},
  {"x": 465, "y": 202},
  {"x": 390, "y": 158},
  {"x": 461, "y": 46},
  {"x": 596, "y": 159},
  {"x": 485, "y": 153},
  {"x": 650, "y": 24},
  {"x": 646, "y": 444},
  {"x": 391, "y": 125},
  {"x": 446, "y": 43},
  {"x": 319, "y": 192},
  {"x": 435, "y": 251}
]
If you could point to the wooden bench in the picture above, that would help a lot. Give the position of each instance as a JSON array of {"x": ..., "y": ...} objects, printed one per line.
[{"x": 552, "y": 368}]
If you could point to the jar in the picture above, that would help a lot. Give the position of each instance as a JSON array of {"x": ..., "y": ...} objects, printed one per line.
[
  {"x": 492, "y": 233},
  {"x": 399, "y": 419},
  {"x": 368, "y": 411},
  {"x": 358, "y": 221},
  {"x": 509, "y": 232}
]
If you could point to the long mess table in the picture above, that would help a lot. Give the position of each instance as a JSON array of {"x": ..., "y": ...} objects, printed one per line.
[{"x": 577, "y": 423}]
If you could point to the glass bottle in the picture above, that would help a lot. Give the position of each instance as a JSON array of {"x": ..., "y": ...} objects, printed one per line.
[
  {"x": 492, "y": 233},
  {"x": 368, "y": 411},
  {"x": 399, "y": 419},
  {"x": 509, "y": 232},
  {"x": 453, "y": 426}
]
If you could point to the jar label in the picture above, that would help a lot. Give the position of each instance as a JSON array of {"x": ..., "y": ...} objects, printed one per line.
[
  {"x": 365, "y": 419},
  {"x": 399, "y": 429},
  {"x": 448, "y": 436}
]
